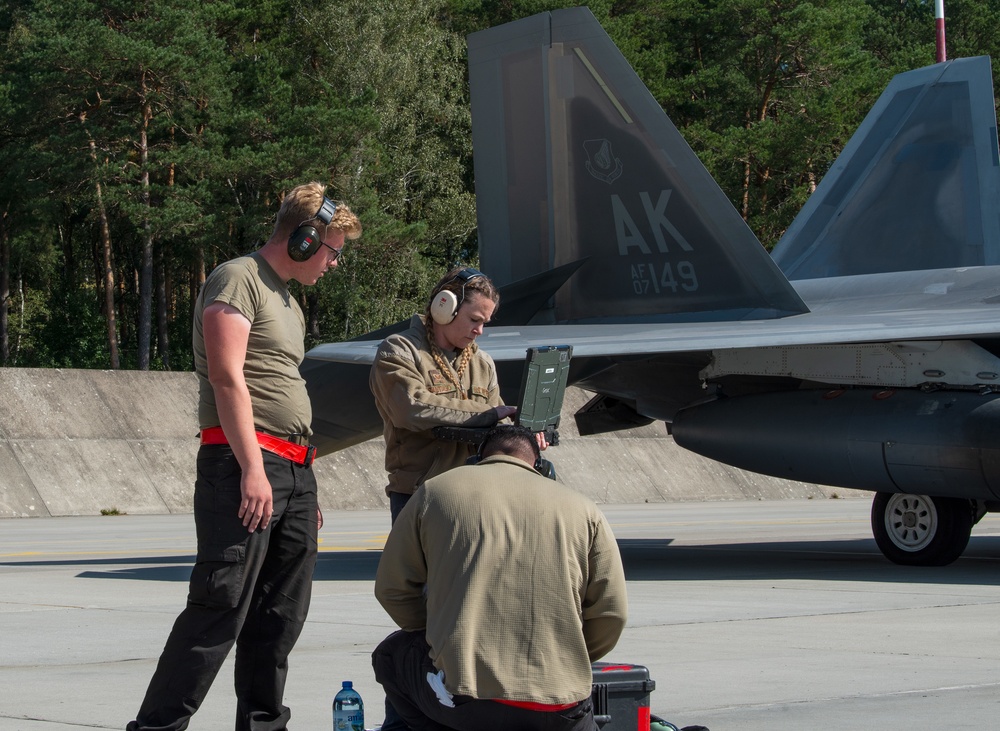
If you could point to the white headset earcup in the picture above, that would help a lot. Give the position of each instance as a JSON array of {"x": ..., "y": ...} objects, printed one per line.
[{"x": 444, "y": 307}]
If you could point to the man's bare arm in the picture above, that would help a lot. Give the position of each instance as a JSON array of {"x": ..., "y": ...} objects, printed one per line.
[{"x": 227, "y": 333}]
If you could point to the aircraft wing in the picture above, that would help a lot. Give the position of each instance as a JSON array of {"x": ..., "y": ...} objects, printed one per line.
[{"x": 959, "y": 303}]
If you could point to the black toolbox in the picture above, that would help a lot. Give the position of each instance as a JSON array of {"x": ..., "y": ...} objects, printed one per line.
[{"x": 621, "y": 696}]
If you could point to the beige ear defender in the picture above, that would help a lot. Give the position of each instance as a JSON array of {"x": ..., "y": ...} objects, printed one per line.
[{"x": 445, "y": 304}]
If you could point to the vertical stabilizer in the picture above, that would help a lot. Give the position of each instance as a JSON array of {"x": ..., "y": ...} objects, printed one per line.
[
  {"x": 575, "y": 161},
  {"x": 917, "y": 187}
]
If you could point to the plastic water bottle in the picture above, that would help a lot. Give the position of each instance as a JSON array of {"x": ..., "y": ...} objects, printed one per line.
[{"x": 348, "y": 709}]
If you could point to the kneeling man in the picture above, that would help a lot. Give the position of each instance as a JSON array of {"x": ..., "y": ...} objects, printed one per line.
[{"x": 507, "y": 586}]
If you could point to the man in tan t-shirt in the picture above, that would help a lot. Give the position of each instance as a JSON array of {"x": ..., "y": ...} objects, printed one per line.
[{"x": 255, "y": 505}]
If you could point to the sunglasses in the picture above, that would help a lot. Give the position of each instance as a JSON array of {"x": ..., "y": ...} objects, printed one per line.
[{"x": 336, "y": 252}]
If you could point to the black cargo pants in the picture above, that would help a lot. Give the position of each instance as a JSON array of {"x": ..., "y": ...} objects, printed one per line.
[
  {"x": 251, "y": 590},
  {"x": 402, "y": 663}
]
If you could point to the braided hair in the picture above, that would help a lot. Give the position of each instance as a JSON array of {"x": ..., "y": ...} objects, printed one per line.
[{"x": 461, "y": 288}]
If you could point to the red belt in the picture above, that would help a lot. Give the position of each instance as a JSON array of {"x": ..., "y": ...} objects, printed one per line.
[
  {"x": 543, "y": 707},
  {"x": 302, "y": 454}
]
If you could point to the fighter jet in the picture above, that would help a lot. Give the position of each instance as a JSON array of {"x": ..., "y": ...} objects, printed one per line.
[{"x": 862, "y": 353}]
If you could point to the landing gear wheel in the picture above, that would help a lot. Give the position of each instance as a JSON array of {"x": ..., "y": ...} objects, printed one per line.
[{"x": 921, "y": 530}]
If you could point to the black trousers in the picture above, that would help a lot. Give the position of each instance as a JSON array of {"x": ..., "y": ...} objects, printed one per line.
[
  {"x": 247, "y": 589},
  {"x": 402, "y": 662},
  {"x": 397, "y": 501}
]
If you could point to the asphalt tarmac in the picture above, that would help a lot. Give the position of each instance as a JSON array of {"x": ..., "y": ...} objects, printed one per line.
[{"x": 749, "y": 616}]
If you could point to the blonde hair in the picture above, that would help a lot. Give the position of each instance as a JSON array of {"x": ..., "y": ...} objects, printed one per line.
[
  {"x": 461, "y": 288},
  {"x": 302, "y": 205}
]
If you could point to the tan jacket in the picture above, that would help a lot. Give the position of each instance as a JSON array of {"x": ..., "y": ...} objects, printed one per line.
[
  {"x": 524, "y": 582},
  {"x": 413, "y": 397}
]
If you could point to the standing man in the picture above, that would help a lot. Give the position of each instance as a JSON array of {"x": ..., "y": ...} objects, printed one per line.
[
  {"x": 255, "y": 507},
  {"x": 507, "y": 586}
]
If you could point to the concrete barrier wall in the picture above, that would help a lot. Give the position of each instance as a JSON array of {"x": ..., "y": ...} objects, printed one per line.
[{"x": 75, "y": 442}]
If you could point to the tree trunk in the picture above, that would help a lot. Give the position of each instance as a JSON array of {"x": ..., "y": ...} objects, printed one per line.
[
  {"x": 124, "y": 323},
  {"x": 312, "y": 313},
  {"x": 197, "y": 276},
  {"x": 4, "y": 287},
  {"x": 109, "y": 271},
  {"x": 163, "y": 286},
  {"x": 146, "y": 267},
  {"x": 162, "y": 320}
]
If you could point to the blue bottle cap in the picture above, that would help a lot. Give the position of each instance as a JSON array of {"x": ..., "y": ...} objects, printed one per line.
[{"x": 348, "y": 684}]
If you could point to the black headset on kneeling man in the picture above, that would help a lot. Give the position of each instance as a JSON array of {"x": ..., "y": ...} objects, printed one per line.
[{"x": 541, "y": 465}]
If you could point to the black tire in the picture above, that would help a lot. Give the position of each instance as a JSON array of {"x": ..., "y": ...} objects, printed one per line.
[{"x": 921, "y": 530}]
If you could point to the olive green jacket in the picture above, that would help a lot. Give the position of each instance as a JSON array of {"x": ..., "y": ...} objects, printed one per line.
[{"x": 413, "y": 396}]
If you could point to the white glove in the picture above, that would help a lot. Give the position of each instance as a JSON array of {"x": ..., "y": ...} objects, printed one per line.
[{"x": 436, "y": 682}]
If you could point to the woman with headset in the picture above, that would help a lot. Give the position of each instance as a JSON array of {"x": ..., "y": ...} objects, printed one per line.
[{"x": 434, "y": 374}]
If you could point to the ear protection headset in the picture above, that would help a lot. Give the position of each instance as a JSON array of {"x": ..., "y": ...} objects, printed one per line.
[
  {"x": 542, "y": 466},
  {"x": 445, "y": 303},
  {"x": 305, "y": 240}
]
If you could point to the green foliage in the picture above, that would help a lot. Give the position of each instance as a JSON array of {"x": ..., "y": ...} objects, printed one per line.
[
  {"x": 409, "y": 169},
  {"x": 181, "y": 123},
  {"x": 65, "y": 332}
]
